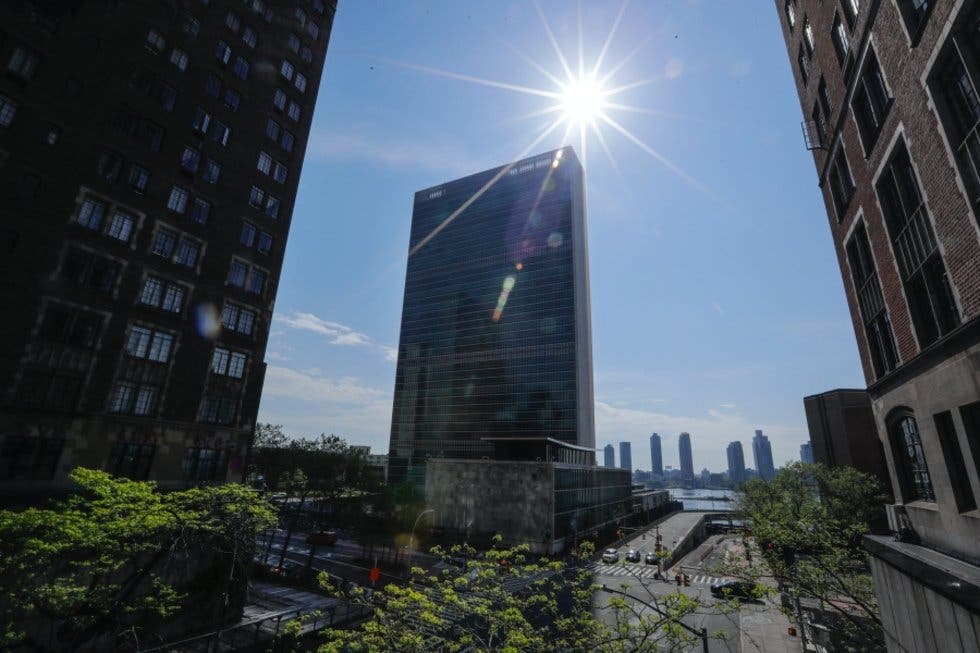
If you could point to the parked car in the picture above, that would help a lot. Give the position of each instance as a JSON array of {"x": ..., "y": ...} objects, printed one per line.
[
  {"x": 610, "y": 555},
  {"x": 650, "y": 558},
  {"x": 633, "y": 555},
  {"x": 322, "y": 537},
  {"x": 735, "y": 589},
  {"x": 289, "y": 569}
]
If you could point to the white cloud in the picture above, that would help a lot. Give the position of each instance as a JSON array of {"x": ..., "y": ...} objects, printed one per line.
[
  {"x": 718, "y": 309},
  {"x": 286, "y": 383},
  {"x": 391, "y": 353},
  {"x": 275, "y": 356},
  {"x": 673, "y": 68},
  {"x": 339, "y": 334},
  {"x": 729, "y": 406}
]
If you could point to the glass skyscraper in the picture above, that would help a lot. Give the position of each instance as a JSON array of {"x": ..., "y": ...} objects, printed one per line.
[{"x": 495, "y": 334}]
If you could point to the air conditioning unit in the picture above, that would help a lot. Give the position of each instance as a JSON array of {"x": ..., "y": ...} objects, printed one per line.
[{"x": 898, "y": 519}]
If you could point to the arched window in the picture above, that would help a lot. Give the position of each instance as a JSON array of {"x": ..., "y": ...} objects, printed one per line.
[{"x": 910, "y": 461}]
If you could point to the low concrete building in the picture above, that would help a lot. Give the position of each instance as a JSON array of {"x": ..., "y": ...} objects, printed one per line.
[{"x": 541, "y": 492}]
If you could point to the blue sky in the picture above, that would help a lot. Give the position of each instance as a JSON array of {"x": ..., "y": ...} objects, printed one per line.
[{"x": 717, "y": 302}]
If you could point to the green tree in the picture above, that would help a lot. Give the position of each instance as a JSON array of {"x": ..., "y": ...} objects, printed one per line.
[
  {"x": 114, "y": 562},
  {"x": 807, "y": 526},
  {"x": 508, "y": 601}
]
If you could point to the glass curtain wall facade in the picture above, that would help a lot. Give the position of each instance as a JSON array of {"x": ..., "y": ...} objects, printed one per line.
[{"x": 495, "y": 334}]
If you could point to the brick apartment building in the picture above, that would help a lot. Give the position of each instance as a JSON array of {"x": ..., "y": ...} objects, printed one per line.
[
  {"x": 149, "y": 155},
  {"x": 888, "y": 90}
]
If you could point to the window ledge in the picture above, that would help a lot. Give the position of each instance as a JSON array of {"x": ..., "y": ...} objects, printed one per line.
[{"x": 923, "y": 505}]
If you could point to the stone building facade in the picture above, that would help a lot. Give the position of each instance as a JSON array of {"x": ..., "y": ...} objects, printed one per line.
[
  {"x": 888, "y": 90},
  {"x": 150, "y": 154}
]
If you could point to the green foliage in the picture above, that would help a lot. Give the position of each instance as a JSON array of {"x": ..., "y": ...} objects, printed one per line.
[
  {"x": 807, "y": 525},
  {"x": 100, "y": 563},
  {"x": 506, "y": 600}
]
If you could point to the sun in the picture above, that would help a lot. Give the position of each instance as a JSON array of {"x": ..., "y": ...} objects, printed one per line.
[{"x": 582, "y": 100}]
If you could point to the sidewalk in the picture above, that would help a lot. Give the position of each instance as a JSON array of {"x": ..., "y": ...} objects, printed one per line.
[{"x": 764, "y": 629}]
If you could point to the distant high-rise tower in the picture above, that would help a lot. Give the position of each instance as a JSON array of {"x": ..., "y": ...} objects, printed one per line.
[
  {"x": 687, "y": 460},
  {"x": 762, "y": 453},
  {"x": 806, "y": 453},
  {"x": 625, "y": 456},
  {"x": 149, "y": 186},
  {"x": 736, "y": 462},
  {"x": 656, "y": 456},
  {"x": 610, "y": 456},
  {"x": 495, "y": 335}
]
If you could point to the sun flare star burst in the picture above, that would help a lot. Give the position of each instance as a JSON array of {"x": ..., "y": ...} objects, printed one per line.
[{"x": 583, "y": 101}]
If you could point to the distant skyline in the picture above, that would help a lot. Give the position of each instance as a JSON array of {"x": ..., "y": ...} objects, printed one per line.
[{"x": 712, "y": 312}]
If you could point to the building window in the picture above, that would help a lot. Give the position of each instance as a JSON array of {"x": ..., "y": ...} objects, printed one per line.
[
  {"x": 88, "y": 270},
  {"x": 163, "y": 294},
  {"x": 238, "y": 318},
  {"x": 149, "y": 344},
  {"x": 121, "y": 226},
  {"x": 821, "y": 122},
  {"x": 841, "y": 183},
  {"x": 90, "y": 214},
  {"x": 187, "y": 252},
  {"x": 293, "y": 43},
  {"x": 152, "y": 135},
  {"x": 279, "y": 99},
  {"x": 871, "y": 103},
  {"x": 272, "y": 206},
  {"x": 306, "y": 54},
  {"x": 212, "y": 86},
  {"x": 222, "y": 52},
  {"x": 248, "y": 234},
  {"x": 954, "y": 458},
  {"x": 177, "y": 200},
  {"x": 52, "y": 134},
  {"x": 232, "y": 99},
  {"x": 237, "y": 273},
  {"x": 130, "y": 460},
  {"x": 200, "y": 210},
  {"x": 241, "y": 67},
  {"x": 927, "y": 287},
  {"x": 164, "y": 242},
  {"x": 228, "y": 363},
  {"x": 910, "y": 461},
  {"x": 249, "y": 37},
  {"x": 915, "y": 13},
  {"x": 70, "y": 326},
  {"x": 179, "y": 59},
  {"x": 874, "y": 315},
  {"x": 190, "y": 25},
  {"x": 132, "y": 399},
  {"x": 108, "y": 166},
  {"x": 233, "y": 22},
  {"x": 808, "y": 36},
  {"x": 286, "y": 70},
  {"x": 265, "y": 243},
  {"x": 264, "y": 163},
  {"x": 256, "y": 281},
  {"x": 294, "y": 111},
  {"x": 208, "y": 464},
  {"x": 279, "y": 172},
  {"x": 961, "y": 116},
  {"x": 300, "y": 17},
  {"x": 139, "y": 179},
  {"x": 287, "y": 140},
  {"x": 167, "y": 95},
  {"x": 212, "y": 171},
  {"x": 190, "y": 159},
  {"x": 256, "y": 197},
  {"x": 272, "y": 130},
  {"x": 29, "y": 458},
  {"x": 971, "y": 424},
  {"x": 804, "y": 65},
  {"x": 300, "y": 82},
  {"x": 824, "y": 96},
  {"x": 201, "y": 121},
  {"x": 220, "y": 133},
  {"x": 842, "y": 44},
  {"x": 155, "y": 42},
  {"x": 22, "y": 64}
]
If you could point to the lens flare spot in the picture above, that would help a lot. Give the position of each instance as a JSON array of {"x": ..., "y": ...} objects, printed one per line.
[
  {"x": 555, "y": 239},
  {"x": 509, "y": 283},
  {"x": 206, "y": 320},
  {"x": 519, "y": 266}
]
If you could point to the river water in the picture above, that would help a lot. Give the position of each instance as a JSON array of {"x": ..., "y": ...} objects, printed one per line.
[{"x": 700, "y": 499}]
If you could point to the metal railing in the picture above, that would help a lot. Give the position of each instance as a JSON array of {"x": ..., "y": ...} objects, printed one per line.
[
  {"x": 914, "y": 243},
  {"x": 870, "y": 298}
]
